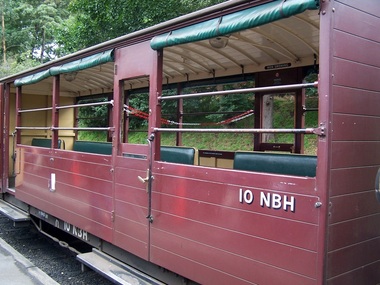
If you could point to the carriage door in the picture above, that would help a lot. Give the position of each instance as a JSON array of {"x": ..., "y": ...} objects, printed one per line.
[{"x": 134, "y": 74}]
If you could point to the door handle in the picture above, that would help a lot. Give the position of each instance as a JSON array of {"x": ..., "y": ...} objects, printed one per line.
[{"x": 144, "y": 180}]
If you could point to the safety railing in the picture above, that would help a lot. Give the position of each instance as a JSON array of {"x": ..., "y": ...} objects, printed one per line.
[
  {"x": 318, "y": 131},
  {"x": 52, "y": 128},
  {"x": 245, "y": 90}
]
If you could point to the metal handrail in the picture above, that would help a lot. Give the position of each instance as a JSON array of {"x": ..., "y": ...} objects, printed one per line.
[
  {"x": 66, "y": 128},
  {"x": 297, "y": 131},
  {"x": 85, "y": 105},
  {"x": 83, "y": 129},
  {"x": 246, "y": 90},
  {"x": 35, "y": 110},
  {"x": 33, "y": 128},
  {"x": 67, "y": 106}
]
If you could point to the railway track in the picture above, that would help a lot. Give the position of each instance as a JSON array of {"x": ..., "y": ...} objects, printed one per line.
[{"x": 56, "y": 261}]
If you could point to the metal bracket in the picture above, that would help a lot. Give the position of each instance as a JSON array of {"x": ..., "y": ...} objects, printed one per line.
[{"x": 321, "y": 131}]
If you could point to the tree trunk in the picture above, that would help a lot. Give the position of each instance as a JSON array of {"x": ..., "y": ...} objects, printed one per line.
[
  {"x": 267, "y": 117},
  {"x": 3, "y": 34},
  {"x": 42, "y": 46}
]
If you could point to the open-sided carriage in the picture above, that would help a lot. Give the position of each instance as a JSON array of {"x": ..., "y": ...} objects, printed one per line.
[{"x": 270, "y": 215}]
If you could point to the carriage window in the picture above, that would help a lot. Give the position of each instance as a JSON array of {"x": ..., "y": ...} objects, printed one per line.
[
  {"x": 135, "y": 111},
  {"x": 240, "y": 126},
  {"x": 95, "y": 113}
]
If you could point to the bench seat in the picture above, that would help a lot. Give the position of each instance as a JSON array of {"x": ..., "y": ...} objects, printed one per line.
[
  {"x": 287, "y": 164},
  {"x": 183, "y": 155},
  {"x": 44, "y": 142},
  {"x": 93, "y": 147}
]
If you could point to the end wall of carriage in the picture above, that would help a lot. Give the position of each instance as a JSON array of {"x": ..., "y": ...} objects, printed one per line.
[{"x": 353, "y": 232}]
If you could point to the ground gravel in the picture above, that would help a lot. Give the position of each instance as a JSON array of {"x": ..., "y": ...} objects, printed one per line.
[{"x": 58, "y": 262}]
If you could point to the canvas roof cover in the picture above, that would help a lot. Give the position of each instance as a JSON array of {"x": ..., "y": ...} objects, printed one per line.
[
  {"x": 73, "y": 66},
  {"x": 235, "y": 22}
]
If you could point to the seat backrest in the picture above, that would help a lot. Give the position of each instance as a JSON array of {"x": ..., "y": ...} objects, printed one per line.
[
  {"x": 287, "y": 164},
  {"x": 93, "y": 147},
  {"x": 183, "y": 155},
  {"x": 44, "y": 142}
]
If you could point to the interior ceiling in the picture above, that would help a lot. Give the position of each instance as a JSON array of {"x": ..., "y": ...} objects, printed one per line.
[{"x": 293, "y": 40}]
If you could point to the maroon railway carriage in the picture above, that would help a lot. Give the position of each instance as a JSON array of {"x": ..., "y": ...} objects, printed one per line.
[{"x": 272, "y": 215}]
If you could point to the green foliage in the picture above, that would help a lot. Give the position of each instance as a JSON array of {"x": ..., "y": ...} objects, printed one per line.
[
  {"x": 227, "y": 105},
  {"x": 13, "y": 66},
  {"x": 46, "y": 29},
  {"x": 30, "y": 27},
  {"x": 93, "y": 116},
  {"x": 95, "y": 21},
  {"x": 284, "y": 107},
  {"x": 139, "y": 102}
]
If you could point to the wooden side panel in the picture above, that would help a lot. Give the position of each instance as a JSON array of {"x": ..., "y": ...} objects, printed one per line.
[
  {"x": 214, "y": 222},
  {"x": 83, "y": 190},
  {"x": 353, "y": 234}
]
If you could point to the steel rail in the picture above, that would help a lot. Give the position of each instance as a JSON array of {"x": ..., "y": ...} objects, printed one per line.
[
  {"x": 82, "y": 129},
  {"x": 293, "y": 131},
  {"x": 85, "y": 105},
  {"x": 33, "y": 128},
  {"x": 66, "y": 107},
  {"x": 246, "y": 90},
  {"x": 35, "y": 110},
  {"x": 66, "y": 128}
]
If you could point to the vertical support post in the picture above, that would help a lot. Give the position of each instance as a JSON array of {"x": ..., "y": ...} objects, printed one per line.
[
  {"x": 18, "y": 114},
  {"x": 55, "y": 111},
  {"x": 155, "y": 91},
  {"x": 125, "y": 115},
  {"x": 9, "y": 141},
  {"x": 179, "y": 115},
  {"x": 299, "y": 120},
  {"x": 257, "y": 123},
  {"x": 117, "y": 110},
  {"x": 110, "y": 117}
]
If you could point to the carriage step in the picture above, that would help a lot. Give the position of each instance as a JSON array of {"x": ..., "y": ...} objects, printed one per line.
[
  {"x": 114, "y": 270},
  {"x": 13, "y": 213}
]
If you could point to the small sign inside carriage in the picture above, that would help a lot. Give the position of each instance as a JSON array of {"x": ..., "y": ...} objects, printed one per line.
[{"x": 276, "y": 66}]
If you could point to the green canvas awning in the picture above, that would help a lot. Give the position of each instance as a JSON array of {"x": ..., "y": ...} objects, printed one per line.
[
  {"x": 73, "y": 66},
  {"x": 235, "y": 22}
]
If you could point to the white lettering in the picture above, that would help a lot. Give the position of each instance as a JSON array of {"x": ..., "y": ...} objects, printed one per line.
[
  {"x": 276, "y": 201},
  {"x": 78, "y": 232},
  {"x": 264, "y": 200},
  {"x": 75, "y": 232},
  {"x": 56, "y": 223},
  {"x": 85, "y": 237},
  {"x": 246, "y": 196},
  {"x": 66, "y": 226},
  {"x": 289, "y": 203}
]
